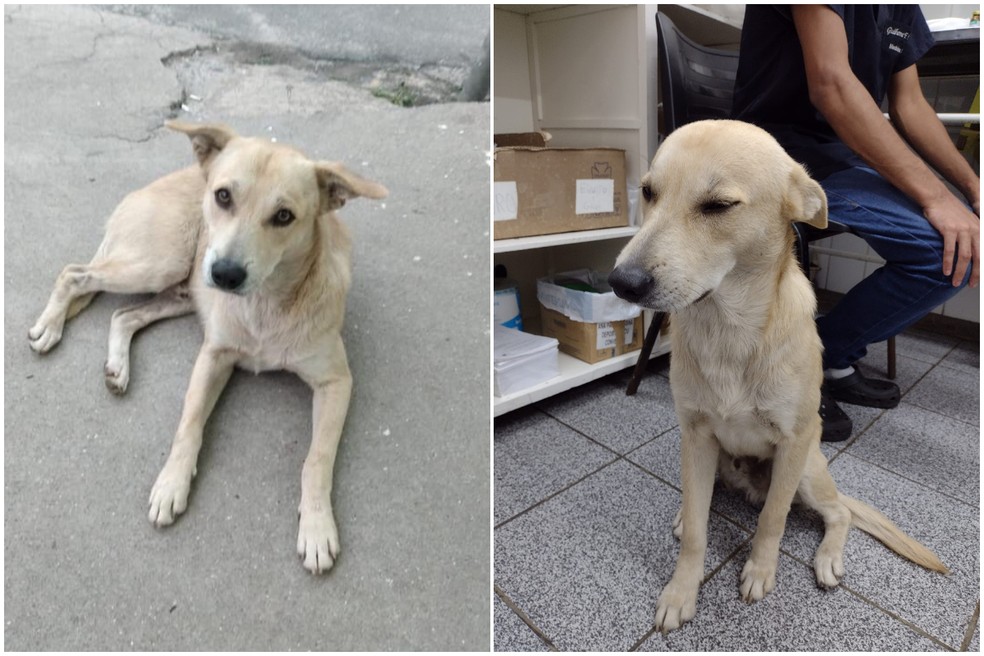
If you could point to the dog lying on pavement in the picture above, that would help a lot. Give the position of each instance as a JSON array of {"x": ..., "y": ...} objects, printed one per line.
[
  {"x": 716, "y": 250},
  {"x": 249, "y": 239}
]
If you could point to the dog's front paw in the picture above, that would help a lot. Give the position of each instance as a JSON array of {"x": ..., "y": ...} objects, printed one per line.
[
  {"x": 43, "y": 336},
  {"x": 828, "y": 564},
  {"x": 169, "y": 496},
  {"x": 117, "y": 377},
  {"x": 317, "y": 540},
  {"x": 677, "y": 604},
  {"x": 678, "y": 524},
  {"x": 757, "y": 580}
]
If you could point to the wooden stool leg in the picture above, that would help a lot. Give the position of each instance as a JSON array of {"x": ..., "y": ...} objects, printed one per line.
[
  {"x": 645, "y": 353},
  {"x": 891, "y": 358}
]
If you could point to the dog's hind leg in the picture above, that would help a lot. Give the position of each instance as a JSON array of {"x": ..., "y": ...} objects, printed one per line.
[
  {"x": 78, "y": 283},
  {"x": 818, "y": 491},
  {"x": 79, "y": 304},
  {"x": 47, "y": 330},
  {"x": 172, "y": 302}
]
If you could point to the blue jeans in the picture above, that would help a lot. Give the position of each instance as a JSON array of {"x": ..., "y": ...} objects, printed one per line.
[{"x": 905, "y": 289}]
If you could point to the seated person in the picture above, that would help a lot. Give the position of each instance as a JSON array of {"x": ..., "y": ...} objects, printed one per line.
[{"x": 815, "y": 77}]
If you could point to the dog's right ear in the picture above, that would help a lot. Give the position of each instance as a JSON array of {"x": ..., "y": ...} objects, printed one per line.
[
  {"x": 338, "y": 184},
  {"x": 805, "y": 201},
  {"x": 207, "y": 139}
]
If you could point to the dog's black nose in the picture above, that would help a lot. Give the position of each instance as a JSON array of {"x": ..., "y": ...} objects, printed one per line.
[
  {"x": 630, "y": 283},
  {"x": 228, "y": 275}
]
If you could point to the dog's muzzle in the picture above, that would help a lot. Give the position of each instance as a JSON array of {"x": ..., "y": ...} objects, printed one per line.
[
  {"x": 631, "y": 283},
  {"x": 227, "y": 275}
]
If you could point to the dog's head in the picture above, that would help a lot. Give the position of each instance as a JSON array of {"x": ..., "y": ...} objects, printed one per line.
[
  {"x": 263, "y": 203},
  {"x": 718, "y": 198}
]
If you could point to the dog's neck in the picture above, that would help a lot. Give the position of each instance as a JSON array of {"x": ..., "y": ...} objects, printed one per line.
[
  {"x": 741, "y": 313},
  {"x": 317, "y": 278},
  {"x": 743, "y": 299},
  {"x": 292, "y": 276}
]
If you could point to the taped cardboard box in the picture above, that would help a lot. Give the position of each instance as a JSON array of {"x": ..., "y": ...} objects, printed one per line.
[
  {"x": 580, "y": 311},
  {"x": 592, "y": 342},
  {"x": 528, "y": 139},
  {"x": 542, "y": 191}
]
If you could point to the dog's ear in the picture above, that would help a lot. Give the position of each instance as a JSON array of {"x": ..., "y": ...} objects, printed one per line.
[
  {"x": 338, "y": 184},
  {"x": 805, "y": 201},
  {"x": 207, "y": 139}
]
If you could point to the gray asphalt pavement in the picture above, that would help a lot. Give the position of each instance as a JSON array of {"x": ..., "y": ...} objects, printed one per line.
[{"x": 86, "y": 92}]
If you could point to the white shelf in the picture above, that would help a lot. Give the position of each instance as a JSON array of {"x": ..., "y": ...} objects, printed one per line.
[
  {"x": 584, "y": 74},
  {"x": 573, "y": 372},
  {"x": 561, "y": 239}
]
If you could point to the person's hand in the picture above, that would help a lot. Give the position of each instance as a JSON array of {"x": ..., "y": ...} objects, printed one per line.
[{"x": 961, "y": 231}]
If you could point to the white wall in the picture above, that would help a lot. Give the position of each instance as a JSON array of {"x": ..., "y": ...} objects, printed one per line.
[
  {"x": 511, "y": 91},
  {"x": 948, "y": 11}
]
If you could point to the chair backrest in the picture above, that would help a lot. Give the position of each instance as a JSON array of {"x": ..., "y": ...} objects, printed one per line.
[{"x": 695, "y": 82}]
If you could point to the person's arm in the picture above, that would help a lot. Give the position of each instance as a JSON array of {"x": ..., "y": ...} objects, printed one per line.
[
  {"x": 837, "y": 94},
  {"x": 916, "y": 120}
]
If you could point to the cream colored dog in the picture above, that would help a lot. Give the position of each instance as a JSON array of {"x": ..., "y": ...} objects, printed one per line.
[
  {"x": 716, "y": 250},
  {"x": 249, "y": 239}
]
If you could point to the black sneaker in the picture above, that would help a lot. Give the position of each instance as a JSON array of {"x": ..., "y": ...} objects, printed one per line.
[
  {"x": 869, "y": 392},
  {"x": 837, "y": 426}
]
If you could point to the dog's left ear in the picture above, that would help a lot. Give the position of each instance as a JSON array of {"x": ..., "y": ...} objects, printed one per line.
[
  {"x": 805, "y": 201},
  {"x": 207, "y": 139},
  {"x": 338, "y": 184}
]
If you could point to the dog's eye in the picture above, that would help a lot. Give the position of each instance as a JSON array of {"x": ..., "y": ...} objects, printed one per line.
[
  {"x": 717, "y": 206},
  {"x": 282, "y": 217},
  {"x": 223, "y": 198},
  {"x": 647, "y": 193}
]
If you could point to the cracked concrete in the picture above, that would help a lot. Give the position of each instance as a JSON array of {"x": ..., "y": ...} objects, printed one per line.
[
  {"x": 330, "y": 46},
  {"x": 86, "y": 92},
  {"x": 225, "y": 65},
  {"x": 71, "y": 76}
]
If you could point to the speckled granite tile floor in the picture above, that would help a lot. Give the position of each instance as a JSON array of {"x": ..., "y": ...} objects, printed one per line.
[{"x": 587, "y": 484}]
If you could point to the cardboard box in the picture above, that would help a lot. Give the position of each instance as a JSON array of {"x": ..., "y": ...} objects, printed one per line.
[
  {"x": 542, "y": 191},
  {"x": 528, "y": 139},
  {"x": 592, "y": 342},
  {"x": 591, "y": 323}
]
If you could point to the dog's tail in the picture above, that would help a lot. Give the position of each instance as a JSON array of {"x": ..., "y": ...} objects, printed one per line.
[{"x": 872, "y": 522}]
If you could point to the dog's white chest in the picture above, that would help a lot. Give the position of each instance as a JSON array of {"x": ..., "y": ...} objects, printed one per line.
[
  {"x": 745, "y": 435},
  {"x": 737, "y": 420},
  {"x": 259, "y": 349},
  {"x": 264, "y": 360}
]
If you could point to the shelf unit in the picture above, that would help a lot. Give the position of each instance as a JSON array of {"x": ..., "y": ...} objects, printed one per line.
[
  {"x": 581, "y": 73},
  {"x": 573, "y": 372},
  {"x": 561, "y": 239}
]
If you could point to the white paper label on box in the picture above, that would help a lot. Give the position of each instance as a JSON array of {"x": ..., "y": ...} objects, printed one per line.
[
  {"x": 506, "y": 201},
  {"x": 606, "y": 335},
  {"x": 595, "y": 197}
]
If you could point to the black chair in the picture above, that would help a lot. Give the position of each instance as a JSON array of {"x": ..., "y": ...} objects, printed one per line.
[{"x": 697, "y": 83}]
